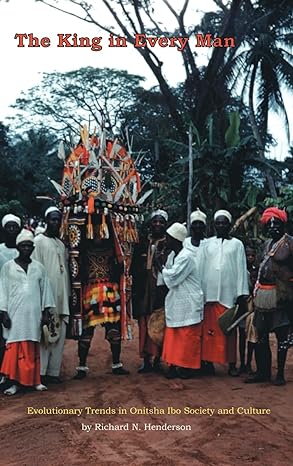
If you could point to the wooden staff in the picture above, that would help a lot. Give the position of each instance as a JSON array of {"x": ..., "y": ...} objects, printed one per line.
[{"x": 242, "y": 219}]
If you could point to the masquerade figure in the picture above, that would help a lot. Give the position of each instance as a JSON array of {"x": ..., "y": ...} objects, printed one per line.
[
  {"x": 100, "y": 275},
  {"x": 148, "y": 289},
  {"x": 273, "y": 297},
  {"x": 225, "y": 283},
  {"x": 50, "y": 251},
  {"x": 25, "y": 299}
]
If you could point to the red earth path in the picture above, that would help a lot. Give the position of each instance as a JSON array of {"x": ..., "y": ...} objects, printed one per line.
[{"x": 217, "y": 440}]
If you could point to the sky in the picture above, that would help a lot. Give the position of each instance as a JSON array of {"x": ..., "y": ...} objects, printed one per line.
[{"x": 23, "y": 66}]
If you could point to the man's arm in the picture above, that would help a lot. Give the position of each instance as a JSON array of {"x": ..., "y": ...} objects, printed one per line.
[{"x": 5, "y": 319}]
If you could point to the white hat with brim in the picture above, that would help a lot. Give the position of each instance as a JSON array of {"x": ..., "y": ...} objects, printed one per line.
[{"x": 177, "y": 231}]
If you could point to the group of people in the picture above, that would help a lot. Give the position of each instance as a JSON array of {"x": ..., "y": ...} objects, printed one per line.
[
  {"x": 194, "y": 279},
  {"x": 198, "y": 280}
]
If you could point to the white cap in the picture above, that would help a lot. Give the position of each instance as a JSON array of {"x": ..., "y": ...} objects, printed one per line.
[
  {"x": 177, "y": 231},
  {"x": 223, "y": 213},
  {"x": 198, "y": 216},
  {"x": 51, "y": 209},
  {"x": 25, "y": 235},
  {"x": 10, "y": 218},
  {"x": 161, "y": 213}
]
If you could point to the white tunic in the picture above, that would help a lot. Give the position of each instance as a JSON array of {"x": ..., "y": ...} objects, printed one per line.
[
  {"x": 197, "y": 252},
  {"x": 184, "y": 301},
  {"x": 224, "y": 271},
  {"x": 52, "y": 254},
  {"x": 7, "y": 254},
  {"x": 195, "y": 249},
  {"x": 24, "y": 296}
]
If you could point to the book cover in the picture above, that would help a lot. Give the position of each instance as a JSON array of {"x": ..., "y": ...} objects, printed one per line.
[{"x": 144, "y": 419}]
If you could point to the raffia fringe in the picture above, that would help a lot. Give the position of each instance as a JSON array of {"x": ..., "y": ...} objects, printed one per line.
[{"x": 265, "y": 300}]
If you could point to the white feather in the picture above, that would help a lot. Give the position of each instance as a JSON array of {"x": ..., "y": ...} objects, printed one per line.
[
  {"x": 134, "y": 192},
  {"x": 92, "y": 157},
  {"x": 119, "y": 193},
  {"x": 61, "y": 151},
  {"x": 144, "y": 197},
  {"x": 57, "y": 186}
]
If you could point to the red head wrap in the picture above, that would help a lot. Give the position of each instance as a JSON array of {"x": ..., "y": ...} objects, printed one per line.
[{"x": 274, "y": 212}]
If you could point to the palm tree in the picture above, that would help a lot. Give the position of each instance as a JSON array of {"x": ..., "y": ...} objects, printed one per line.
[{"x": 264, "y": 64}]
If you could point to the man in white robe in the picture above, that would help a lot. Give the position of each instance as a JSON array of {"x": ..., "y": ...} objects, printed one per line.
[
  {"x": 183, "y": 307},
  {"x": 198, "y": 221},
  {"x": 25, "y": 294},
  {"x": 224, "y": 282},
  {"x": 11, "y": 227},
  {"x": 50, "y": 251}
]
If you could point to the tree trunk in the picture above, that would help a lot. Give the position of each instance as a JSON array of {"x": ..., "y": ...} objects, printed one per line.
[
  {"x": 207, "y": 85},
  {"x": 257, "y": 136},
  {"x": 171, "y": 100},
  {"x": 190, "y": 177}
]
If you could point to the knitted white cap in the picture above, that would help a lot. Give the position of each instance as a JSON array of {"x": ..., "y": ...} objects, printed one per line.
[
  {"x": 199, "y": 216},
  {"x": 161, "y": 213},
  {"x": 51, "y": 209},
  {"x": 223, "y": 213},
  {"x": 10, "y": 218},
  {"x": 25, "y": 235}
]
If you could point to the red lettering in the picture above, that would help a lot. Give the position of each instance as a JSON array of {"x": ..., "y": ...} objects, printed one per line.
[
  {"x": 163, "y": 42},
  {"x": 33, "y": 41},
  {"x": 203, "y": 40},
  {"x": 20, "y": 38},
  {"x": 229, "y": 42},
  {"x": 139, "y": 42},
  {"x": 63, "y": 40},
  {"x": 45, "y": 42},
  {"x": 152, "y": 41}
]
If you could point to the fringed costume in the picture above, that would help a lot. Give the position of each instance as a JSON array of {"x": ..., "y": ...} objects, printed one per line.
[{"x": 99, "y": 197}]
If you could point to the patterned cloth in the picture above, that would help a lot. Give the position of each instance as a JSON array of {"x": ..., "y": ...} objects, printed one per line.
[{"x": 101, "y": 303}]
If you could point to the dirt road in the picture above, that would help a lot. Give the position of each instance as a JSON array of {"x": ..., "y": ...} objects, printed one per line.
[{"x": 214, "y": 438}]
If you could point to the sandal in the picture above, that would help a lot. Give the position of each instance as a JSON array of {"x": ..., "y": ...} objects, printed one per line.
[
  {"x": 41, "y": 388},
  {"x": 3, "y": 379},
  {"x": 11, "y": 390}
]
